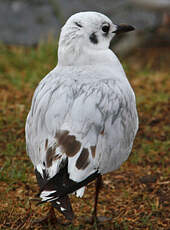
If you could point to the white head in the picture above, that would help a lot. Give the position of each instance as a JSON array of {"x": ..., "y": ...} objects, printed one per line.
[{"x": 85, "y": 33}]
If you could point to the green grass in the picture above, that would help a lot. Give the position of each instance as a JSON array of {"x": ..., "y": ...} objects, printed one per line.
[
  {"x": 132, "y": 204},
  {"x": 21, "y": 66}
]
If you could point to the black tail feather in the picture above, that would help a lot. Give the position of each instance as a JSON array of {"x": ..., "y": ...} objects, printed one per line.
[
  {"x": 41, "y": 180},
  {"x": 63, "y": 185},
  {"x": 56, "y": 190},
  {"x": 63, "y": 206}
]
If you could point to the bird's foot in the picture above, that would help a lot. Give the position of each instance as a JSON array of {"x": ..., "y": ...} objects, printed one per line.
[
  {"x": 49, "y": 218},
  {"x": 97, "y": 219}
]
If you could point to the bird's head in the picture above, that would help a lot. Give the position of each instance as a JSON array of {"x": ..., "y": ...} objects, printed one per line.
[{"x": 87, "y": 31}]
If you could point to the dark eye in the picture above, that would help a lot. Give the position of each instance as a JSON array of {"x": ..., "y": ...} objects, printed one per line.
[{"x": 105, "y": 28}]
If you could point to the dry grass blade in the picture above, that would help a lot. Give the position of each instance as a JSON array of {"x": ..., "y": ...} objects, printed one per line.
[{"x": 137, "y": 195}]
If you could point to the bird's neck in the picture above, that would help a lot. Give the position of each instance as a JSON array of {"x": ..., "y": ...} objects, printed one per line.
[{"x": 79, "y": 56}]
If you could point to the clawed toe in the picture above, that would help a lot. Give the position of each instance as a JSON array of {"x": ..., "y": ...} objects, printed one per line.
[
  {"x": 96, "y": 219},
  {"x": 49, "y": 218}
]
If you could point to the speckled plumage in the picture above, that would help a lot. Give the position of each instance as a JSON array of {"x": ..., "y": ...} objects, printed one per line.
[{"x": 84, "y": 110}]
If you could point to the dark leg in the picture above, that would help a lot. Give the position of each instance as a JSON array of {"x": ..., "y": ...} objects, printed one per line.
[
  {"x": 98, "y": 187},
  {"x": 51, "y": 214},
  {"x": 50, "y": 217},
  {"x": 95, "y": 218}
]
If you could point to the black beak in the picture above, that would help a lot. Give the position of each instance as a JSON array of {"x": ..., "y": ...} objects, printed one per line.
[{"x": 123, "y": 28}]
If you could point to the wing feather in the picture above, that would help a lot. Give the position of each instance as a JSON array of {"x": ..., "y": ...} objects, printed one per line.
[{"x": 83, "y": 117}]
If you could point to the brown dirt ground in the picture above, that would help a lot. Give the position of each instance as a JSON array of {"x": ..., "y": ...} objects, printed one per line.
[{"x": 137, "y": 195}]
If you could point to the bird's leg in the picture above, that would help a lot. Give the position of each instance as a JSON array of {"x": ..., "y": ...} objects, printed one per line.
[
  {"x": 50, "y": 217},
  {"x": 95, "y": 218},
  {"x": 51, "y": 214},
  {"x": 98, "y": 187}
]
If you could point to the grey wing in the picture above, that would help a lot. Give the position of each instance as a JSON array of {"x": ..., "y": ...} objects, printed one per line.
[
  {"x": 103, "y": 118},
  {"x": 50, "y": 104},
  {"x": 83, "y": 122}
]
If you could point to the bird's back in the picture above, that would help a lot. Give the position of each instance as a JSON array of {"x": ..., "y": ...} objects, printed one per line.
[
  {"x": 98, "y": 109},
  {"x": 83, "y": 117},
  {"x": 79, "y": 126}
]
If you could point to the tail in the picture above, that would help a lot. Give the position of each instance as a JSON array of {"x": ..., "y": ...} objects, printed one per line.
[
  {"x": 62, "y": 204},
  {"x": 57, "y": 188},
  {"x": 47, "y": 194}
]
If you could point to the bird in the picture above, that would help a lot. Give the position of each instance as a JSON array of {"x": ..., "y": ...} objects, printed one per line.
[{"x": 83, "y": 118}]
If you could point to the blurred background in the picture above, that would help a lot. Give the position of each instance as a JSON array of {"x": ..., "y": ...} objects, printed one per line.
[
  {"x": 26, "y": 22},
  {"x": 137, "y": 195}
]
